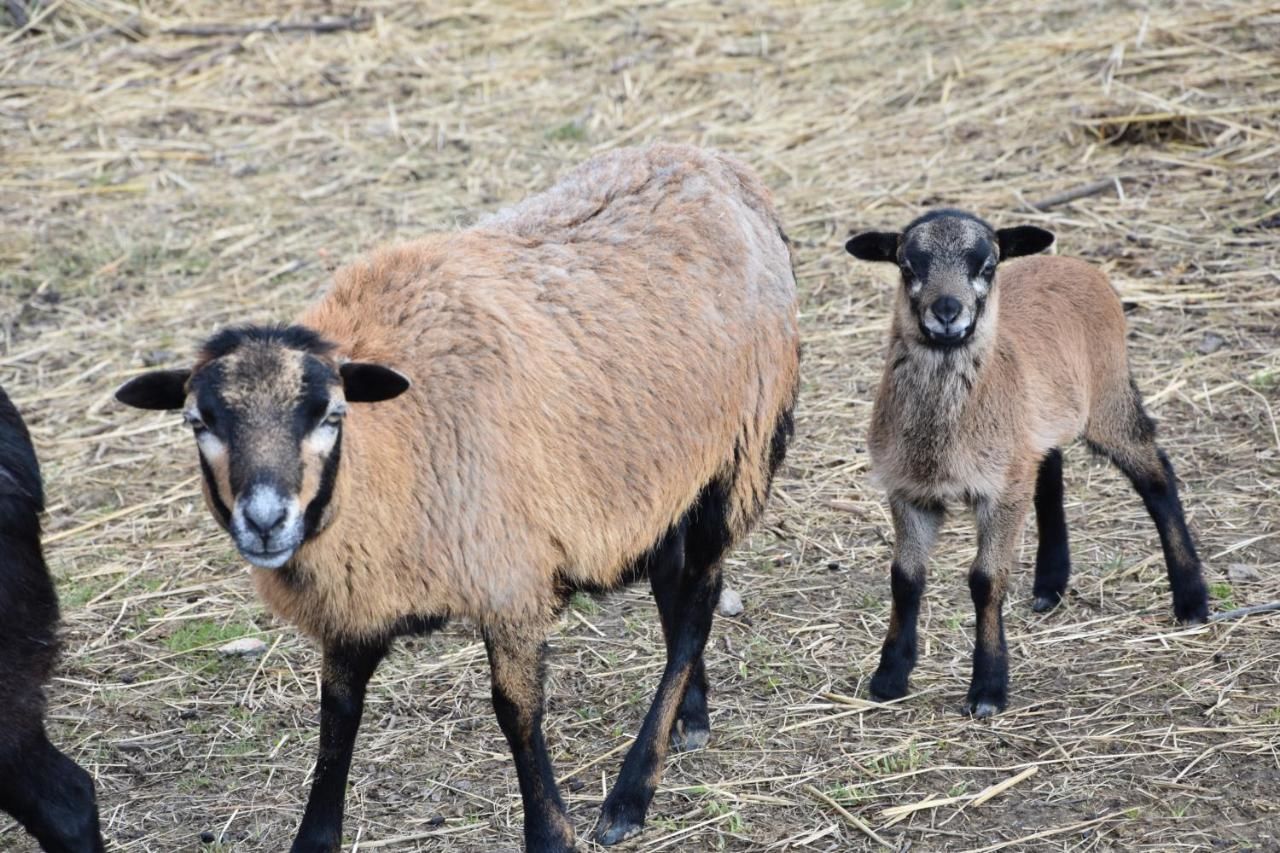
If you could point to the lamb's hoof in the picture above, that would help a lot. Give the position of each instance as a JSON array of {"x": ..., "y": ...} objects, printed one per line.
[
  {"x": 611, "y": 831},
  {"x": 982, "y": 710},
  {"x": 687, "y": 739},
  {"x": 886, "y": 687},
  {"x": 1045, "y": 602}
]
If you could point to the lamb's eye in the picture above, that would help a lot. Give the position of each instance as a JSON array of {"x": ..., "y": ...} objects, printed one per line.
[
  {"x": 334, "y": 418},
  {"x": 988, "y": 269},
  {"x": 193, "y": 420}
]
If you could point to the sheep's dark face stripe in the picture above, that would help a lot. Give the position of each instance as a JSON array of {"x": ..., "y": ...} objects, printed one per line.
[{"x": 268, "y": 417}]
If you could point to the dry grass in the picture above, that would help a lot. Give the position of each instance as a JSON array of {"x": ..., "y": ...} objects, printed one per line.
[{"x": 154, "y": 185}]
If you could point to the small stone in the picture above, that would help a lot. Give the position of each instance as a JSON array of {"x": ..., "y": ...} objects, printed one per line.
[
  {"x": 1211, "y": 343},
  {"x": 248, "y": 647},
  {"x": 207, "y": 837},
  {"x": 1241, "y": 573},
  {"x": 833, "y": 566},
  {"x": 730, "y": 603},
  {"x": 436, "y": 820}
]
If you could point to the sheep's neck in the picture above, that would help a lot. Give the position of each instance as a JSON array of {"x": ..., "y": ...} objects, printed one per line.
[{"x": 932, "y": 388}]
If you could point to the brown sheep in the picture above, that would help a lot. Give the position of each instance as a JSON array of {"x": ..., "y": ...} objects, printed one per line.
[
  {"x": 988, "y": 374},
  {"x": 602, "y": 380}
]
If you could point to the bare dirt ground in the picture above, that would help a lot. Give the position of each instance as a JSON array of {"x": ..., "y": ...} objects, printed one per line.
[{"x": 165, "y": 169}]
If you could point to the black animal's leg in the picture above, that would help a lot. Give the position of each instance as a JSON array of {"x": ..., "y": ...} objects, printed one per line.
[
  {"x": 346, "y": 673},
  {"x": 999, "y": 527},
  {"x": 1053, "y": 554},
  {"x": 667, "y": 567},
  {"x": 691, "y": 611},
  {"x": 516, "y": 664},
  {"x": 915, "y": 531},
  {"x": 51, "y": 796}
]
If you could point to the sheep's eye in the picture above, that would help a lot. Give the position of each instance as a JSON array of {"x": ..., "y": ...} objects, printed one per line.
[
  {"x": 193, "y": 420},
  {"x": 988, "y": 269},
  {"x": 334, "y": 418}
]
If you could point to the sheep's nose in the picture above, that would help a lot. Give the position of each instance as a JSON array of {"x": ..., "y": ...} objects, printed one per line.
[
  {"x": 946, "y": 309},
  {"x": 264, "y": 516}
]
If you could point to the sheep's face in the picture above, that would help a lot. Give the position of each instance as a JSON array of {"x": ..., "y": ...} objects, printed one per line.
[
  {"x": 947, "y": 259},
  {"x": 266, "y": 406}
]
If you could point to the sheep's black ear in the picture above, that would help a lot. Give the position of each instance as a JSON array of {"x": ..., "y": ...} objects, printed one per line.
[
  {"x": 159, "y": 389},
  {"x": 874, "y": 246},
  {"x": 1023, "y": 240},
  {"x": 363, "y": 382}
]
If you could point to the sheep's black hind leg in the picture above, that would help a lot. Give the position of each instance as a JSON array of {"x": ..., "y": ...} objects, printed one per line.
[
  {"x": 915, "y": 529},
  {"x": 346, "y": 673},
  {"x": 1053, "y": 554},
  {"x": 51, "y": 796},
  {"x": 516, "y": 664},
  {"x": 694, "y": 597},
  {"x": 667, "y": 567}
]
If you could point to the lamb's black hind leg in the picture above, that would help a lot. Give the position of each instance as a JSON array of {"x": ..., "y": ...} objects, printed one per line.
[
  {"x": 667, "y": 568},
  {"x": 1053, "y": 555}
]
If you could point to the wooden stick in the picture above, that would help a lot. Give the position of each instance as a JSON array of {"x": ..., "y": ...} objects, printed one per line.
[
  {"x": 328, "y": 25},
  {"x": 1241, "y": 612},
  {"x": 1076, "y": 193},
  {"x": 853, "y": 821}
]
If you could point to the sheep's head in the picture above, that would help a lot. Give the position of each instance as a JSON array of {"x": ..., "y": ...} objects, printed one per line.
[
  {"x": 266, "y": 404},
  {"x": 948, "y": 262}
]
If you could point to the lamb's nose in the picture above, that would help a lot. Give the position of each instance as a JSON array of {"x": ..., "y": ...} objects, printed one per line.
[{"x": 946, "y": 309}]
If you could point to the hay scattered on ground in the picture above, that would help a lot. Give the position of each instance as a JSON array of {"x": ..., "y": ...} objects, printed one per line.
[{"x": 168, "y": 168}]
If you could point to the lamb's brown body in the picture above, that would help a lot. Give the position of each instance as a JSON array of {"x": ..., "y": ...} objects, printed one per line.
[
  {"x": 989, "y": 371},
  {"x": 1049, "y": 366},
  {"x": 582, "y": 364}
]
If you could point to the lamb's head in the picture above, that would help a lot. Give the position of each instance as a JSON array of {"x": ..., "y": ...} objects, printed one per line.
[
  {"x": 266, "y": 404},
  {"x": 948, "y": 262}
]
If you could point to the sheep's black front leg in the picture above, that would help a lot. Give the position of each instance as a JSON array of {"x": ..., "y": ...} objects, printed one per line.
[
  {"x": 915, "y": 530},
  {"x": 516, "y": 664},
  {"x": 624, "y": 809},
  {"x": 999, "y": 526},
  {"x": 50, "y": 795},
  {"x": 1053, "y": 554},
  {"x": 347, "y": 670}
]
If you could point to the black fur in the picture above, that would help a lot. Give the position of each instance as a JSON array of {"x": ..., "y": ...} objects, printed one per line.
[
  {"x": 163, "y": 390},
  {"x": 687, "y": 580},
  {"x": 988, "y": 690},
  {"x": 347, "y": 670},
  {"x": 230, "y": 339},
  {"x": 47, "y": 792},
  {"x": 1023, "y": 240},
  {"x": 898, "y": 655},
  {"x": 314, "y": 512},
  {"x": 1053, "y": 554}
]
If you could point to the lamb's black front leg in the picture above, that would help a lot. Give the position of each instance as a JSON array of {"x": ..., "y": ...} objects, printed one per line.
[
  {"x": 347, "y": 670},
  {"x": 999, "y": 527},
  {"x": 516, "y": 664},
  {"x": 915, "y": 529}
]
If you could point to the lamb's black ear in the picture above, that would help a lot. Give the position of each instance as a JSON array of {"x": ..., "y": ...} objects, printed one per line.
[
  {"x": 363, "y": 382},
  {"x": 159, "y": 389},
  {"x": 874, "y": 246},
  {"x": 1023, "y": 240}
]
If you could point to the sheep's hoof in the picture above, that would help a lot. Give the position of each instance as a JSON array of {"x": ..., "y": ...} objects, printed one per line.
[
  {"x": 617, "y": 830},
  {"x": 887, "y": 686},
  {"x": 1044, "y": 602},
  {"x": 1193, "y": 612},
  {"x": 688, "y": 738},
  {"x": 982, "y": 710}
]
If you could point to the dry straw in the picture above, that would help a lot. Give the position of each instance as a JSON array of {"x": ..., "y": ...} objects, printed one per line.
[{"x": 169, "y": 167}]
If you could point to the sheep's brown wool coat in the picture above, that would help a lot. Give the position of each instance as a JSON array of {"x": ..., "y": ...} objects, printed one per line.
[
  {"x": 1052, "y": 367},
  {"x": 583, "y": 365}
]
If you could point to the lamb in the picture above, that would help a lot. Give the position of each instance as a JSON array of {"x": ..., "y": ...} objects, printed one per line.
[
  {"x": 590, "y": 387},
  {"x": 46, "y": 791},
  {"x": 988, "y": 374}
]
